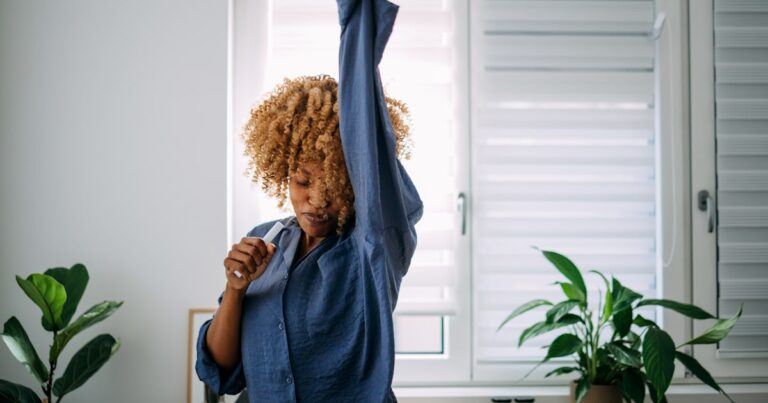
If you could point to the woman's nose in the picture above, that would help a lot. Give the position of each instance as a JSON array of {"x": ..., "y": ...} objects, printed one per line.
[{"x": 317, "y": 197}]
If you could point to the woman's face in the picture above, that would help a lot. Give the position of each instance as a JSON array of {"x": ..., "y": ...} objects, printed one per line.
[{"x": 316, "y": 213}]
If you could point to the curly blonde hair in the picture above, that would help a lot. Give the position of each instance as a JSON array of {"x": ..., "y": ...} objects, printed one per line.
[{"x": 298, "y": 123}]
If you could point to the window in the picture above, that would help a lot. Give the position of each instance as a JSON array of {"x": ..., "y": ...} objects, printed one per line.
[
  {"x": 564, "y": 158},
  {"x": 555, "y": 133},
  {"x": 301, "y": 38},
  {"x": 729, "y": 84}
]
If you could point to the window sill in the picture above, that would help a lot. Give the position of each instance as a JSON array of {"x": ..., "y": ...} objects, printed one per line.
[{"x": 555, "y": 393}]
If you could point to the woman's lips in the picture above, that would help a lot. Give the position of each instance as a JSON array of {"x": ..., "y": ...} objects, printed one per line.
[{"x": 316, "y": 219}]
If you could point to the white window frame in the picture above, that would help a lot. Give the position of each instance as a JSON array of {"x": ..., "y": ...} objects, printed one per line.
[
  {"x": 248, "y": 47},
  {"x": 703, "y": 158},
  {"x": 454, "y": 365},
  {"x": 673, "y": 238},
  {"x": 673, "y": 162}
]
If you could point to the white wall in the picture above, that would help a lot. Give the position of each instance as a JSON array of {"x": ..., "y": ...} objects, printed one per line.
[{"x": 113, "y": 154}]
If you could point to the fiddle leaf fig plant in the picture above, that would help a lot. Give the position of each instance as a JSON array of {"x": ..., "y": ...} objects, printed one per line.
[
  {"x": 611, "y": 343},
  {"x": 57, "y": 292}
]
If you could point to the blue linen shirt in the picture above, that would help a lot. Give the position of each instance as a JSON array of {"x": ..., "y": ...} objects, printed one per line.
[{"x": 320, "y": 329}]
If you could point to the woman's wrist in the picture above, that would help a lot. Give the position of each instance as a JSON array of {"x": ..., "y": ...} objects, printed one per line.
[{"x": 234, "y": 292}]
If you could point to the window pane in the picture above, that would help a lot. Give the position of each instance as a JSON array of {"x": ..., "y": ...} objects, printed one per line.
[
  {"x": 563, "y": 157},
  {"x": 418, "y": 334},
  {"x": 419, "y": 68}
]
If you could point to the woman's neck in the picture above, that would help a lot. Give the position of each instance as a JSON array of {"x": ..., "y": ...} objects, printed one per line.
[{"x": 307, "y": 243}]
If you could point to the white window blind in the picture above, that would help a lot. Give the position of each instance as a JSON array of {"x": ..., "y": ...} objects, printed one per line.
[
  {"x": 563, "y": 157},
  {"x": 741, "y": 96},
  {"x": 418, "y": 68}
]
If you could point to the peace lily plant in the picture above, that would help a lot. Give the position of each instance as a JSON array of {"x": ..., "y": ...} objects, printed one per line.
[
  {"x": 57, "y": 292},
  {"x": 615, "y": 345}
]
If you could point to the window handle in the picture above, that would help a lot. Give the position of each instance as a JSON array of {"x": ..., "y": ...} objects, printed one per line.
[
  {"x": 462, "y": 206},
  {"x": 707, "y": 203},
  {"x": 658, "y": 26}
]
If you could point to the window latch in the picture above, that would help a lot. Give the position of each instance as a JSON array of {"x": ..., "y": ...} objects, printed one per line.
[
  {"x": 707, "y": 203},
  {"x": 462, "y": 207}
]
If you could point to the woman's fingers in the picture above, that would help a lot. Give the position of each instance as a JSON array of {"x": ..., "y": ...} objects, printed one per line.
[
  {"x": 256, "y": 243},
  {"x": 247, "y": 261},
  {"x": 271, "y": 248},
  {"x": 232, "y": 268}
]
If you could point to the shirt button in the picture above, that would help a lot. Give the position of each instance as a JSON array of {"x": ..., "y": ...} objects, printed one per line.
[
  {"x": 288, "y": 380},
  {"x": 280, "y": 325},
  {"x": 285, "y": 276}
]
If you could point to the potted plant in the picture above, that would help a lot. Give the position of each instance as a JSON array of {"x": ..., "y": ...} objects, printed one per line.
[
  {"x": 57, "y": 292},
  {"x": 617, "y": 352}
]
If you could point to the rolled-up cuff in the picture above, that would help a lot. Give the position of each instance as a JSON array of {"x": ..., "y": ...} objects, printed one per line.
[{"x": 220, "y": 380}]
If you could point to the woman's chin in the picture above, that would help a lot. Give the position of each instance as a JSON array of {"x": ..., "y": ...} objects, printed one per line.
[{"x": 317, "y": 230}]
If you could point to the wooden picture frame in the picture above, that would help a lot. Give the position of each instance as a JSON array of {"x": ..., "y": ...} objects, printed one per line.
[
  {"x": 195, "y": 387},
  {"x": 196, "y": 318}
]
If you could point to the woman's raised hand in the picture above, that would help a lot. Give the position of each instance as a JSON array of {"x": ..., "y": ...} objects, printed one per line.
[{"x": 249, "y": 258}]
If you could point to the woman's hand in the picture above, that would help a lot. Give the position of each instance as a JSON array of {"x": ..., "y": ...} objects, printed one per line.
[{"x": 249, "y": 258}]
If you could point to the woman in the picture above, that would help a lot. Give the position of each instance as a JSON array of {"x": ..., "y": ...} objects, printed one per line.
[{"x": 310, "y": 319}]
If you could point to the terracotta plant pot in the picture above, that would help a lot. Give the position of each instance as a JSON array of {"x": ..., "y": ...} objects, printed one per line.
[{"x": 598, "y": 394}]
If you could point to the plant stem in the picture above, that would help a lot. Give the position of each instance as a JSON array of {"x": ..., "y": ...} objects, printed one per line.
[
  {"x": 52, "y": 364},
  {"x": 595, "y": 344},
  {"x": 590, "y": 349}
]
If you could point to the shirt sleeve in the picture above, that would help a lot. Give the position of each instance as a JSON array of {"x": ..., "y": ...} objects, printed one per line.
[
  {"x": 220, "y": 380},
  {"x": 386, "y": 201}
]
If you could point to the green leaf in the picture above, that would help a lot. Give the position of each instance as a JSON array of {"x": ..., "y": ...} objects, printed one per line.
[
  {"x": 582, "y": 388},
  {"x": 570, "y": 291},
  {"x": 48, "y": 294},
  {"x": 693, "y": 365},
  {"x": 540, "y": 328},
  {"x": 563, "y": 346},
  {"x": 608, "y": 307},
  {"x": 632, "y": 386},
  {"x": 654, "y": 394},
  {"x": 85, "y": 363},
  {"x": 622, "y": 321},
  {"x": 622, "y": 296},
  {"x": 634, "y": 340},
  {"x": 13, "y": 392},
  {"x": 561, "y": 371},
  {"x": 74, "y": 281},
  {"x": 643, "y": 322},
  {"x": 556, "y": 312},
  {"x": 96, "y": 314},
  {"x": 15, "y": 337},
  {"x": 718, "y": 331},
  {"x": 658, "y": 359},
  {"x": 569, "y": 270},
  {"x": 691, "y": 311},
  {"x": 523, "y": 309},
  {"x": 605, "y": 279},
  {"x": 624, "y": 355}
]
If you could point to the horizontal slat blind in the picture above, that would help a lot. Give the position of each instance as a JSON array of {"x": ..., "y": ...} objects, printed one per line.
[
  {"x": 563, "y": 156},
  {"x": 418, "y": 68},
  {"x": 741, "y": 91}
]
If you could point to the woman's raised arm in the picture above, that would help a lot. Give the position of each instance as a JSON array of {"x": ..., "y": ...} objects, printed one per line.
[{"x": 385, "y": 197}]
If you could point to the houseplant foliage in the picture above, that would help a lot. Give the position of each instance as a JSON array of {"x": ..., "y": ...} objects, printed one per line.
[
  {"x": 57, "y": 293},
  {"x": 614, "y": 345}
]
